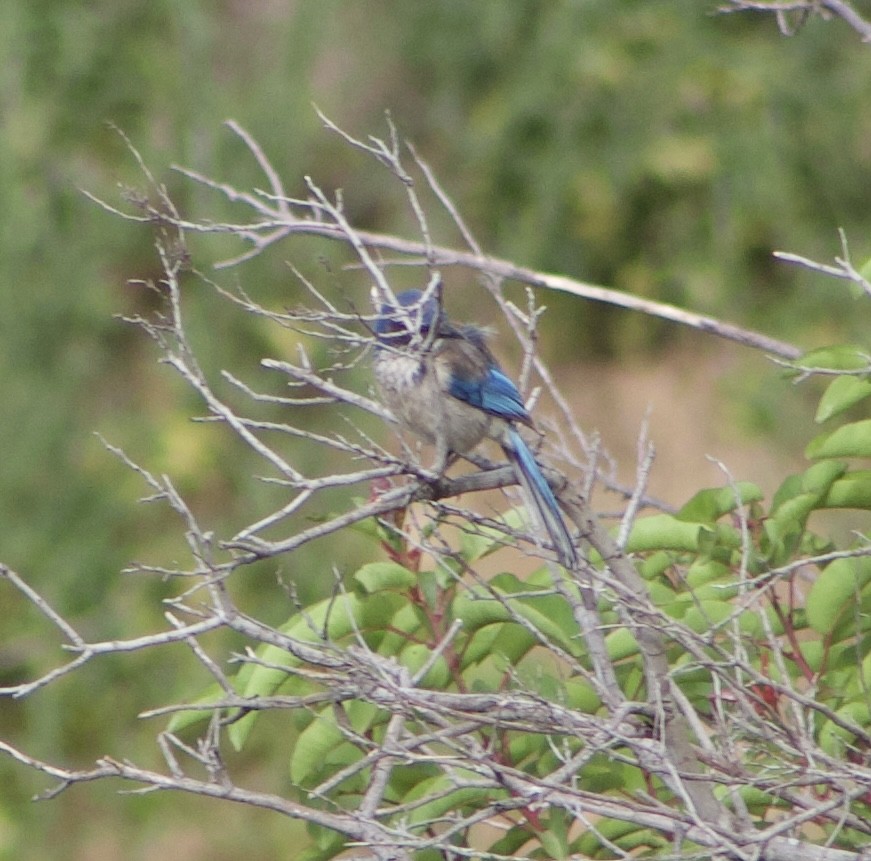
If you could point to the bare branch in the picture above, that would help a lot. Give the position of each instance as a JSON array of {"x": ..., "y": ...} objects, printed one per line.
[
  {"x": 804, "y": 9},
  {"x": 440, "y": 695}
]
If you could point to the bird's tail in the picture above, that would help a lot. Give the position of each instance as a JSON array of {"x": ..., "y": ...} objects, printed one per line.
[{"x": 539, "y": 497}]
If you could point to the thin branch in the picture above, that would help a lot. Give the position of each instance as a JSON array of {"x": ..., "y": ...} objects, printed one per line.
[
  {"x": 339, "y": 663},
  {"x": 804, "y": 8}
]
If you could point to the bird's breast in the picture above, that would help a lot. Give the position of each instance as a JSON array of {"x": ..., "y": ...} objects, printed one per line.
[{"x": 413, "y": 390}]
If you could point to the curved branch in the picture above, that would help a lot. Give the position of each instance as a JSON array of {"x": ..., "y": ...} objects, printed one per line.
[{"x": 443, "y": 256}]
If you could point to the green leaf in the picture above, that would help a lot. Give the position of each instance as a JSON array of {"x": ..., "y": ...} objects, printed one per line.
[
  {"x": 709, "y": 505},
  {"x": 415, "y": 655},
  {"x": 842, "y": 393},
  {"x": 554, "y": 839},
  {"x": 704, "y": 615},
  {"x": 753, "y": 797},
  {"x": 180, "y": 720},
  {"x": 513, "y": 642},
  {"x": 836, "y": 591},
  {"x": 407, "y": 622},
  {"x": 834, "y": 738},
  {"x": 790, "y": 486},
  {"x": 601, "y": 774},
  {"x": 663, "y": 532},
  {"x": 859, "y": 678},
  {"x": 558, "y": 627},
  {"x": 655, "y": 564},
  {"x": 476, "y": 544},
  {"x": 428, "y": 582},
  {"x": 510, "y": 844},
  {"x": 708, "y": 571},
  {"x": 581, "y": 696},
  {"x": 716, "y": 591},
  {"x": 626, "y": 835},
  {"x": 368, "y": 527},
  {"x": 851, "y": 491},
  {"x": 313, "y": 745},
  {"x": 326, "y": 844},
  {"x": 817, "y": 479},
  {"x": 380, "y": 576},
  {"x": 334, "y": 618},
  {"x": 322, "y": 746},
  {"x": 525, "y": 746},
  {"x": 444, "y": 798},
  {"x": 841, "y": 357},
  {"x": 621, "y": 644},
  {"x": 661, "y": 593},
  {"x": 480, "y": 644},
  {"x": 403, "y": 778},
  {"x": 850, "y": 440},
  {"x": 477, "y": 609},
  {"x": 796, "y": 500}
]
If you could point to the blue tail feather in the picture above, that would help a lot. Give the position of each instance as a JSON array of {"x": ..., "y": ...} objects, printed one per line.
[{"x": 540, "y": 497}]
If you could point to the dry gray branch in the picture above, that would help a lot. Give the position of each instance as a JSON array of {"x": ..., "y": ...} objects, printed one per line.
[
  {"x": 459, "y": 736},
  {"x": 792, "y": 15}
]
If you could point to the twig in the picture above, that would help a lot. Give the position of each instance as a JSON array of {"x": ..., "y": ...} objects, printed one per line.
[{"x": 838, "y": 8}]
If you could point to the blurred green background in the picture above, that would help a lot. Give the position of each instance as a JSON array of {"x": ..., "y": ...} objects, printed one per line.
[{"x": 649, "y": 146}]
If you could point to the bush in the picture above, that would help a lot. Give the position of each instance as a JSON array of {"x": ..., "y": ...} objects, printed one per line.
[{"x": 697, "y": 686}]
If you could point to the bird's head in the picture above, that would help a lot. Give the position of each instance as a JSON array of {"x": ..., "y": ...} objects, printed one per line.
[{"x": 411, "y": 318}]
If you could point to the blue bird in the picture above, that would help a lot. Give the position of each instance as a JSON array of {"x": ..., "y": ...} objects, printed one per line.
[{"x": 442, "y": 383}]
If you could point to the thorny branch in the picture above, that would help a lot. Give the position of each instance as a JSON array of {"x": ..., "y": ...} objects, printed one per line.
[{"x": 696, "y": 762}]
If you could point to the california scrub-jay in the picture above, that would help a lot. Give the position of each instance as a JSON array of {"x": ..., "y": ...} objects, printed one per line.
[{"x": 442, "y": 382}]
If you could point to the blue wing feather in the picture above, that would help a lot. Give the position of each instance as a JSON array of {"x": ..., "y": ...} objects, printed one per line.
[
  {"x": 475, "y": 377},
  {"x": 494, "y": 394}
]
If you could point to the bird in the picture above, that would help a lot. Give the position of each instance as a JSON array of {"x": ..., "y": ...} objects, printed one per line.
[{"x": 441, "y": 382}]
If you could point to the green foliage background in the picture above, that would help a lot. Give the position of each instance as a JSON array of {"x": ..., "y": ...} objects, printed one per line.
[{"x": 653, "y": 147}]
